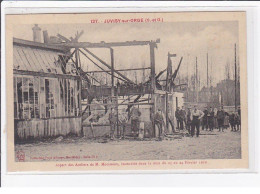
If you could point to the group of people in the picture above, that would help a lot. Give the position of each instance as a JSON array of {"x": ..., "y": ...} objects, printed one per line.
[
  {"x": 191, "y": 120},
  {"x": 209, "y": 119},
  {"x": 123, "y": 118}
]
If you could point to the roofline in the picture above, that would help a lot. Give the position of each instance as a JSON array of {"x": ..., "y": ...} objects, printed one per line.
[{"x": 40, "y": 45}]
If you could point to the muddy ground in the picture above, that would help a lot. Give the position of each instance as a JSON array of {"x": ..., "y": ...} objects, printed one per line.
[{"x": 210, "y": 145}]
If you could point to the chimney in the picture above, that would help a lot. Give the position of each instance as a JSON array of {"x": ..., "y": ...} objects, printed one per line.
[
  {"x": 36, "y": 33},
  {"x": 46, "y": 38}
]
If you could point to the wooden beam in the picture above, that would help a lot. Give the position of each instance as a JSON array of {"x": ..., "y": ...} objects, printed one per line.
[
  {"x": 108, "y": 66},
  {"x": 153, "y": 82},
  {"x": 65, "y": 117},
  {"x": 63, "y": 38},
  {"x": 42, "y": 74},
  {"x": 108, "y": 72},
  {"x": 118, "y": 104},
  {"x": 112, "y": 72},
  {"x": 133, "y": 69},
  {"x": 152, "y": 62},
  {"x": 104, "y": 44},
  {"x": 94, "y": 78}
]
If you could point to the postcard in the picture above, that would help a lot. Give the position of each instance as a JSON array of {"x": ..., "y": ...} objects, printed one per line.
[{"x": 126, "y": 91}]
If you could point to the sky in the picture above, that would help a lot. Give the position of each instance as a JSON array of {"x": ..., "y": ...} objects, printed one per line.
[{"x": 186, "y": 39}]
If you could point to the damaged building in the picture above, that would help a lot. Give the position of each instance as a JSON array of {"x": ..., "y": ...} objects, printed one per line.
[{"x": 55, "y": 96}]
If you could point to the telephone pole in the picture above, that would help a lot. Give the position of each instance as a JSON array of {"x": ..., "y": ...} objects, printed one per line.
[
  {"x": 235, "y": 78},
  {"x": 197, "y": 81},
  {"x": 207, "y": 71}
]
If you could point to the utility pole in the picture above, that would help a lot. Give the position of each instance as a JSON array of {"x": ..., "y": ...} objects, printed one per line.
[
  {"x": 168, "y": 87},
  {"x": 210, "y": 79},
  {"x": 207, "y": 71},
  {"x": 196, "y": 81},
  {"x": 207, "y": 91},
  {"x": 235, "y": 78},
  {"x": 112, "y": 73},
  {"x": 152, "y": 64}
]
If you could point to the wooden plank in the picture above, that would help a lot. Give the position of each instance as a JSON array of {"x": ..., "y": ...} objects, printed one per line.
[
  {"x": 55, "y": 103},
  {"x": 83, "y": 103},
  {"x": 43, "y": 74},
  {"x": 71, "y": 98},
  {"x": 112, "y": 72},
  {"x": 62, "y": 99},
  {"x": 34, "y": 114},
  {"x": 29, "y": 106},
  {"x": 22, "y": 99},
  {"x": 67, "y": 91},
  {"x": 131, "y": 69},
  {"x": 152, "y": 62}
]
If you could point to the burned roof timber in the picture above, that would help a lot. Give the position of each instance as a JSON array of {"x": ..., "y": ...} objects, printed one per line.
[{"x": 104, "y": 44}]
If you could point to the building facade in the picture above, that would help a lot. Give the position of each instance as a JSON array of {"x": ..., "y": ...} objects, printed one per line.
[{"x": 47, "y": 91}]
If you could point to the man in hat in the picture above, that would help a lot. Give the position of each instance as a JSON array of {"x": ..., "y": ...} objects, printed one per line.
[
  {"x": 239, "y": 118},
  {"x": 196, "y": 116},
  {"x": 159, "y": 122},
  {"x": 188, "y": 119},
  {"x": 211, "y": 119},
  {"x": 205, "y": 119},
  {"x": 220, "y": 118}
]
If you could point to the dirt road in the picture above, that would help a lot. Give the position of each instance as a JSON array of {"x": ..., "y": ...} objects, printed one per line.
[{"x": 210, "y": 145}]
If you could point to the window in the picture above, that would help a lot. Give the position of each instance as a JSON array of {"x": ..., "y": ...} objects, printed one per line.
[
  {"x": 26, "y": 97},
  {"x": 38, "y": 97}
]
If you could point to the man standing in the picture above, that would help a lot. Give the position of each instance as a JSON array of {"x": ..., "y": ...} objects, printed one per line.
[
  {"x": 112, "y": 120},
  {"x": 232, "y": 122},
  {"x": 135, "y": 120},
  {"x": 205, "y": 120},
  {"x": 239, "y": 118},
  {"x": 220, "y": 118},
  {"x": 188, "y": 125},
  {"x": 158, "y": 121},
  {"x": 182, "y": 118},
  {"x": 123, "y": 119},
  {"x": 177, "y": 115},
  {"x": 196, "y": 115},
  {"x": 211, "y": 119}
]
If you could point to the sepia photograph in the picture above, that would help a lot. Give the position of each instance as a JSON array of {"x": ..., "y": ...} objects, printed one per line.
[{"x": 128, "y": 90}]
